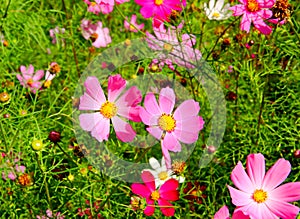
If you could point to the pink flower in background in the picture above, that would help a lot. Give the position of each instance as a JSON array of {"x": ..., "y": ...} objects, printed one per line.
[
  {"x": 167, "y": 192},
  {"x": 254, "y": 11},
  {"x": 113, "y": 108},
  {"x": 183, "y": 125},
  {"x": 121, "y": 1},
  {"x": 174, "y": 50},
  {"x": 29, "y": 79},
  {"x": 133, "y": 26},
  {"x": 96, "y": 33},
  {"x": 103, "y": 6},
  {"x": 259, "y": 194},
  {"x": 56, "y": 31},
  {"x": 160, "y": 10},
  {"x": 223, "y": 213},
  {"x": 10, "y": 167}
]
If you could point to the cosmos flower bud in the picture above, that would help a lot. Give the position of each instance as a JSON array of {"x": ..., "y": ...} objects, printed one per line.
[{"x": 54, "y": 136}]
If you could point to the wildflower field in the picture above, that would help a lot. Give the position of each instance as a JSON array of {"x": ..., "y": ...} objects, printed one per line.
[{"x": 150, "y": 109}]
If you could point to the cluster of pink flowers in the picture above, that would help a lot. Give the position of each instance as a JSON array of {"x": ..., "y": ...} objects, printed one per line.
[
  {"x": 96, "y": 33},
  {"x": 102, "y": 6},
  {"x": 56, "y": 31},
  {"x": 11, "y": 168},
  {"x": 259, "y": 195},
  {"x": 49, "y": 214},
  {"x": 33, "y": 80},
  {"x": 164, "y": 123}
]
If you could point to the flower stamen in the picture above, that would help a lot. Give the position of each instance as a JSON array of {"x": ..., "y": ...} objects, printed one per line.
[
  {"x": 158, "y": 2},
  {"x": 155, "y": 195},
  {"x": 108, "y": 110},
  {"x": 252, "y": 5},
  {"x": 167, "y": 122},
  {"x": 260, "y": 196}
]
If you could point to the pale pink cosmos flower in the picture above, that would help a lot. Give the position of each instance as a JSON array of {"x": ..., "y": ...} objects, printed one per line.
[
  {"x": 103, "y": 6},
  {"x": 259, "y": 194},
  {"x": 173, "y": 49},
  {"x": 121, "y": 1},
  {"x": 167, "y": 192},
  {"x": 254, "y": 11},
  {"x": 115, "y": 108},
  {"x": 96, "y": 33},
  {"x": 159, "y": 10},
  {"x": 133, "y": 26},
  {"x": 56, "y": 31},
  {"x": 223, "y": 213},
  {"x": 171, "y": 127},
  {"x": 29, "y": 79}
]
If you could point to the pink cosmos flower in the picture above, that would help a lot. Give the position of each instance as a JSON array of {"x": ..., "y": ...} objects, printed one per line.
[
  {"x": 96, "y": 33},
  {"x": 223, "y": 213},
  {"x": 133, "y": 26},
  {"x": 183, "y": 125},
  {"x": 259, "y": 194},
  {"x": 29, "y": 79},
  {"x": 103, "y": 6},
  {"x": 160, "y": 10},
  {"x": 174, "y": 50},
  {"x": 254, "y": 11},
  {"x": 167, "y": 192},
  {"x": 55, "y": 31},
  {"x": 116, "y": 106},
  {"x": 121, "y": 1}
]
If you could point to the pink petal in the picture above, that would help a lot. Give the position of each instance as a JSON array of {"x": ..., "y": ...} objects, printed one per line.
[
  {"x": 241, "y": 180},
  {"x": 30, "y": 70},
  {"x": 146, "y": 11},
  {"x": 238, "y": 214},
  {"x": 123, "y": 129},
  {"x": 155, "y": 132},
  {"x": 38, "y": 75},
  {"x": 282, "y": 209},
  {"x": 265, "y": 14},
  {"x": 245, "y": 23},
  {"x": 171, "y": 143},
  {"x": 261, "y": 25},
  {"x": 167, "y": 100},
  {"x": 276, "y": 174},
  {"x": 266, "y": 3},
  {"x": 151, "y": 105},
  {"x": 187, "y": 131},
  {"x": 238, "y": 10},
  {"x": 132, "y": 97},
  {"x": 20, "y": 78},
  {"x": 186, "y": 110},
  {"x": 149, "y": 180},
  {"x": 11, "y": 176},
  {"x": 149, "y": 210},
  {"x": 258, "y": 211},
  {"x": 223, "y": 213},
  {"x": 147, "y": 118},
  {"x": 240, "y": 198},
  {"x": 116, "y": 84},
  {"x": 131, "y": 113},
  {"x": 23, "y": 69},
  {"x": 89, "y": 120},
  {"x": 94, "y": 90},
  {"x": 256, "y": 169},
  {"x": 166, "y": 208},
  {"x": 289, "y": 192},
  {"x": 170, "y": 195},
  {"x": 169, "y": 191},
  {"x": 89, "y": 103},
  {"x": 167, "y": 157},
  {"x": 20, "y": 169},
  {"x": 101, "y": 130},
  {"x": 140, "y": 189}
]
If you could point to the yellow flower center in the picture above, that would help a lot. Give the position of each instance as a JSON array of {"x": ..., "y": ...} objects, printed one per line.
[
  {"x": 132, "y": 28},
  {"x": 252, "y": 5},
  {"x": 108, "y": 110},
  {"x": 163, "y": 175},
  {"x": 155, "y": 195},
  {"x": 158, "y": 2},
  {"x": 93, "y": 4},
  {"x": 47, "y": 83},
  {"x": 168, "y": 47},
  {"x": 167, "y": 122},
  {"x": 94, "y": 37},
  {"x": 216, "y": 14},
  {"x": 260, "y": 195},
  {"x": 30, "y": 82}
]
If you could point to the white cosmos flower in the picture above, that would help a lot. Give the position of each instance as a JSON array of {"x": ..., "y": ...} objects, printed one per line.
[
  {"x": 217, "y": 11},
  {"x": 161, "y": 173}
]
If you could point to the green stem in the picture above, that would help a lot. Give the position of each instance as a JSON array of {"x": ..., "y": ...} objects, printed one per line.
[{"x": 294, "y": 29}]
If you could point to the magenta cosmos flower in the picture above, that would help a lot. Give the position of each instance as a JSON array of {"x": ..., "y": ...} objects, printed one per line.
[
  {"x": 223, "y": 213},
  {"x": 133, "y": 26},
  {"x": 167, "y": 192},
  {"x": 259, "y": 195},
  {"x": 29, "y": 79},
  {"x": 103, "y": 6},
  {"x": 160, "y": 10},
  {"x": 96, "y": 33},
  {"x": 183, "y": 125},
  {"x": 113, "y": 108},
  {"x": 254, "y": 11}
]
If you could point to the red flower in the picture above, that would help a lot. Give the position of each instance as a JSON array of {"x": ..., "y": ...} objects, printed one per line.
[{"x": 167, "y": 192}]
